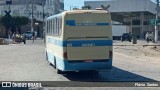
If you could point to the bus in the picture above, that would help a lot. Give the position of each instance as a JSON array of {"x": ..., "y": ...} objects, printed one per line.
[{"x": 79, "y": 40}]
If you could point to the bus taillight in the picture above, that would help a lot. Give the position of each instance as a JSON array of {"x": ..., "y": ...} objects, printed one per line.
[
  {"x": 65, "y": 55},
  {"x": 110, "y": 54}
]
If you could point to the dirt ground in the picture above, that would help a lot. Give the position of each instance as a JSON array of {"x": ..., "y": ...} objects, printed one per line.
[
  {"x": 139, "y": 50},
  {"x": 151, "y": 51}
]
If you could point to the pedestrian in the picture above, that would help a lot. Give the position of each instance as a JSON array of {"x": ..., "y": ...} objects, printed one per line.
[
  {"x": 42, "y": 33},
  {"x": 33, "y": 36},
  {"x": 13, "y": 36},
  {"x": 146, "y": 37}
]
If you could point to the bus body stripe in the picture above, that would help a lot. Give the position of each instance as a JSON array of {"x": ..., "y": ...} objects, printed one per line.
[
  {"x": 73, "y": 23},
  {"x": 66, "y": 65},
  {"x": 80, "y": 43}
]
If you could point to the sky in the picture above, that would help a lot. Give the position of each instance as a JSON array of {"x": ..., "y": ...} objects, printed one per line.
[
  {"x": 74, "y": 3},
  {"x": 77, "y": 3}
]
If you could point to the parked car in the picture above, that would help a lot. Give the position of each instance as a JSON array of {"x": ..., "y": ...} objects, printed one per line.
[
  {"x": 126, "y": 36},
  {"x": 19, "y": 38},
  {"x": 28, "y": 34}
]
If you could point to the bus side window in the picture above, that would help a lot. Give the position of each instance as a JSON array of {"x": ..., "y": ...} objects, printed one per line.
[
  {"x": 57, "y": 26},
  {"x": 48, "y": 27},
  {"x": 60, "y": 26},
  {"x": 52, "y": 26}
]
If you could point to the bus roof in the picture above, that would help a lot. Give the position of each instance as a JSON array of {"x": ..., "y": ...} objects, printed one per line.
[
  {"x": 85, "y": 11},
  {"x": 78, "y": 11}
]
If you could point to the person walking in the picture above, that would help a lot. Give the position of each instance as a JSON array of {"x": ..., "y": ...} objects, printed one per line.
[
  {"x": 33, "y": 36},
  {"x": 42, "y": 34},
  {"x": 147, "y": 38},
  {"x": 13, "y": 36}
]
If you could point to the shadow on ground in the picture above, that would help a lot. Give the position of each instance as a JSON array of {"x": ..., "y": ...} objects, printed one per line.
[{"x": 116, "y": 75}]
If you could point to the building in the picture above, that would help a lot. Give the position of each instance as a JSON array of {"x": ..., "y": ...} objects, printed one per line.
[
  {"x": 24, "y": 8},
  {"x": 136, "y": 14}
]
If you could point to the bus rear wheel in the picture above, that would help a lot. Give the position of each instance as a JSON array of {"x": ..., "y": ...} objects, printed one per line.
[
  {"x": 55, "y": 66},
  {"x": 58, "y": 71},
  {"x": 54, "y": 63}
]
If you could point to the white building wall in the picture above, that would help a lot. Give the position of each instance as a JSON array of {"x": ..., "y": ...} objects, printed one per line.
[
  {"x": 139, "y": 6},
  {"x": 25, "y": 9},
  {"x": 151, "y": 7},
  {"x": 125, "y": 5}
]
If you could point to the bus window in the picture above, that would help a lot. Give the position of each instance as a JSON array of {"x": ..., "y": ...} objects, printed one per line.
[{"x": 53, "y": 26}]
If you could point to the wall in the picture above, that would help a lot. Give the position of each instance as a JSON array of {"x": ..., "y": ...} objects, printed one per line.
[
  {"x": 125, "y": 5},
  {"x": 2, "y": 31},
  {"x": 24, "y": 9}
]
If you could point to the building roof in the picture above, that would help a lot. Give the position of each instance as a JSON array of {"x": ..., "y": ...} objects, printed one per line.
[{"x": 125, "y": 5}]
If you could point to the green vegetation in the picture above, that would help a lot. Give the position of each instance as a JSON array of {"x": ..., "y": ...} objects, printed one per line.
[
  {"x": 20, "y": 21},
  {"x": 11, "y": 23},
  {"x": 86, "y": 7}
]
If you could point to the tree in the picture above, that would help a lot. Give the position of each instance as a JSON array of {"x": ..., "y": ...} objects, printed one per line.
[
  {"x": 75, "y": 8},
  {"x": 11, "y": 23},
  {"x": 86, "y": 7},
  {"x": 19, "y": 21}
]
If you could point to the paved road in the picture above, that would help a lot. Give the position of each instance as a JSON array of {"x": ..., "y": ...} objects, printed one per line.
[
  {"x": 142, "y": 61},
  {"x": 21, "y": 62},
  {"x": 99, "y": 88},
  {"x": 26, "y": 62}
]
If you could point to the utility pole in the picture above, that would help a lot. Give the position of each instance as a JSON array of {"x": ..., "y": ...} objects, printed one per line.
[
  {"x": 32, "y": 16},
  {"x": 43, "y": 15},
  {"x": 156, "y": 30},
  {"x": 43, "y": 25}
]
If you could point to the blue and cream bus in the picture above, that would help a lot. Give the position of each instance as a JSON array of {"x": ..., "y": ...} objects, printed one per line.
[{"x": 79, "y": 40}]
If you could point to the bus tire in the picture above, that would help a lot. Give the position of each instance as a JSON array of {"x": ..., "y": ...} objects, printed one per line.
[
  {"x": 55, "y": 66},
  {"x": 58, "y": 71},
  {"x": 54, "y": 63}
]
